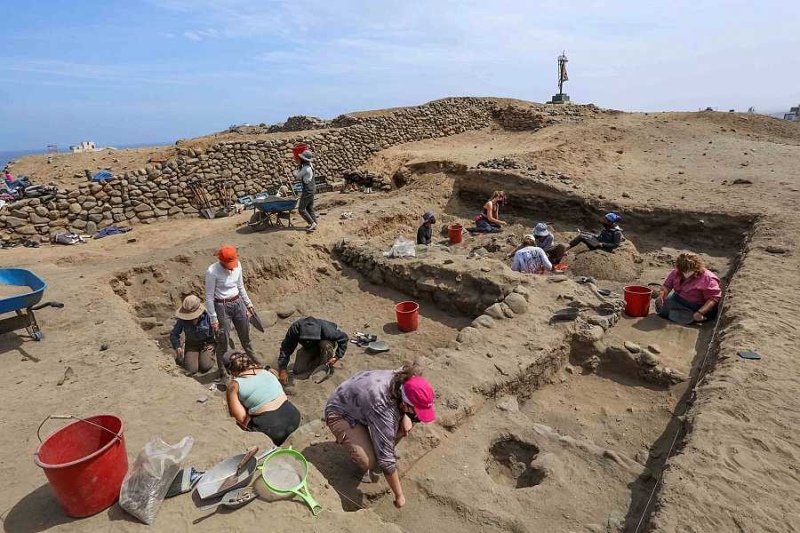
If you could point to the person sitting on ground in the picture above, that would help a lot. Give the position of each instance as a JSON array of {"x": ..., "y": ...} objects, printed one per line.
[
  {"x": 489, "y": 219},
  {"x": 372, "y": 411},
  {"x": 609, "y": 238},
  {"x": 8, "y": 178},
  {"x": 690, "y": 286},
  {"x": 322, "y": 343},
  {"x": 425, "y": 232},
  {"x": 530, "y": 258},
  {"x": 228, "y": 304},
  {"x": 546, "y": 241},
  {"x": 256, "y": 399},
  {"x": 305, "y": 175},
  {"x": 197, "y": 354}
]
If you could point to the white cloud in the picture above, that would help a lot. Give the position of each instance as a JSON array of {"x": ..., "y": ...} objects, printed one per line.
[{"x": 192, "y": 36}]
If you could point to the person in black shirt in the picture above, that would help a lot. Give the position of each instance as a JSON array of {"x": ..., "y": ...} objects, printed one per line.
[
  {"x": 424, "y": 233},
  {"x": 322, "y": 342},
  {"x": 609, "y": 238}
]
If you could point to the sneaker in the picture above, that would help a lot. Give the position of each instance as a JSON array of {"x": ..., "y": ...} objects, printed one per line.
[{"x": 312, "y": 227}]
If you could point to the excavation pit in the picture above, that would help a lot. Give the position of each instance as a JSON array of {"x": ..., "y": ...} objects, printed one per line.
[{"x": 509, "y": 463}]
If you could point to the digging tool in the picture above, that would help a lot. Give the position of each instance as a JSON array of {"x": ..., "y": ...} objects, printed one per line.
[{"x": 233, "y": 479}]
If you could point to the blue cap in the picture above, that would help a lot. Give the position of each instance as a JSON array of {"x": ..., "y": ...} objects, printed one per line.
[{"x": 613, "y": 217}]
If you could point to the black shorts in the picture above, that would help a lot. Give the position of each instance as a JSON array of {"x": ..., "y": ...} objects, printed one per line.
[{"x": 277, "y": 424}]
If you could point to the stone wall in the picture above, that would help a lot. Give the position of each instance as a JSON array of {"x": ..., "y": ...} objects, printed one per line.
[{"x": 158, "y": 191}]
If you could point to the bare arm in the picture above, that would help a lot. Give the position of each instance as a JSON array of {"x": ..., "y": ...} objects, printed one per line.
[
  {"x": 489, "y": 208},
  {"x": 235, "y": 407},
  {"x": 393, "y": 480}
]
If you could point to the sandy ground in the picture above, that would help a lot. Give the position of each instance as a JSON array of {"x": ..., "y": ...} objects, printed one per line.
[{"x": 588, "y": 447}]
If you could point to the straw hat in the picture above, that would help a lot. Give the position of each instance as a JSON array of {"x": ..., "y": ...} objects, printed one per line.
[{"x": 191, "y": 308}]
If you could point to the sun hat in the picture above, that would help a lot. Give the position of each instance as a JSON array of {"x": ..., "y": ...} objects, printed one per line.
[
  {"x": 540, "y": 230},
  {"x": 613, "y": 217},
  {"x": 306, "y": 156},
  {"x": 228, "y": 256},
  {"x": 191, "y": 308},
  {"x": 428, "y": 215},
  {"x": 418, "y": 393},
  {"x": 529, "y": 238}
]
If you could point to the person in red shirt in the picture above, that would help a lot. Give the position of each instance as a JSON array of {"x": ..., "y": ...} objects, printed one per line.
[{"x": 690, "y": 286}]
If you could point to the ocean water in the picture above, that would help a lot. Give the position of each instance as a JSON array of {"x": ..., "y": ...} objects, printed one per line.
[{"x": 10, "y": 155}]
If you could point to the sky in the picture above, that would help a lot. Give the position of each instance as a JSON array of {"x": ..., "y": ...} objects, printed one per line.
[{"x": 137, "y": 71}]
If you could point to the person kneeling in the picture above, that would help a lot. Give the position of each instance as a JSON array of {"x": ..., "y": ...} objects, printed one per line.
[
  {"x": 256, "y": 399},
  {"x": 531, "y": 259},
  {"x": 689, "y": 288},
  {"x": 197, "y": 354}
]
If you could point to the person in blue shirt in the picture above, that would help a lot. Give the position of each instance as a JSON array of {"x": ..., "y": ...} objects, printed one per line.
[{"x": 197, "y": 354}]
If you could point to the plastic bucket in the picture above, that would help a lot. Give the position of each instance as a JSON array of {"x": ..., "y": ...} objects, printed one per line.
[
  {"x": 407, "y": 316},
  {"x": 637, "y": 300},
  {"x": 85, "y": 464},
  {"x": 298, "y": 149},
  {"x": 455, "y": 231}
]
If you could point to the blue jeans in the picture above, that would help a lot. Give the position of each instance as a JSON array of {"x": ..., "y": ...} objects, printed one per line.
[
  {"x": 675, "y": 302},
  {"x": 484, "y": 226}
]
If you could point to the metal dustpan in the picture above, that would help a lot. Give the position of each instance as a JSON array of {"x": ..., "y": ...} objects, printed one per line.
[
  {"x": 210, "y": 484},
  {"x": 378, "y": 347}
]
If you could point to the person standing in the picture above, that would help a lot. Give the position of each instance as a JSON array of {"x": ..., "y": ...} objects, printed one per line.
[
  {"x": 322, "y": 343},
  {"x": 425, "y": 231},
  {"x": 305, "y": 174},
  {"x": 372, "y": 411},
  {"x": 228, "y": 303}
]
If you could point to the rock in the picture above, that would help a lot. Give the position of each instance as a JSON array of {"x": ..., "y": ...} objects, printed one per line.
[
  {"x": 202, "y": 399},
  {"x": 519, "y": 289},
  {"x": 517, "y": 302},
  {"x": 468, "y": 335},
  {"x": 741, "y": 181},
  {"x": 593, "y": 334},
  {"x": 286, "y": 310},
  {"x": 592, "y": 363},
  {"x": 42, "y": 211},
  {"x": 268, "y": 318},
  {"x": 15, "y": 222},
  {"x": 484, "y": 321},
  {"x": 495, "y": 311},
  {"x": 508, "y": 404},
  {"x": 103, "y": 347},
  {"x": 648, "y": 359},
  {"x": 605, "y": 322},
  {"x": 507, "y": 312},
  {"x": 148, "y": 323},
  {"x": 776, "y": 249},
  {"x": 655, "y": 348},
  {"x": 75, "y": 208},
  {"x": 632, "y": 347},
  {"x": 91, "y": 227},
  {"x": 626, "y": 195}
]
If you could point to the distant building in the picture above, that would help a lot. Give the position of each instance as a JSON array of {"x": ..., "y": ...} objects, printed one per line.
[
  {"x": 85, "y": 146},
  {"x": 793, "y": 115}
]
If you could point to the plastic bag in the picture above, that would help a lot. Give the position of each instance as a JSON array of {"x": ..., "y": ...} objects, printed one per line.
[
  {"x": 150, "y": 477},
  {"x": 402, "y": 248}
]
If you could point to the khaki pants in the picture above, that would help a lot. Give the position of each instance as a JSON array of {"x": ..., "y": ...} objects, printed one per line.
[
  {"x": 310, "y": 358},
  {"x": 356, "y": 439}
]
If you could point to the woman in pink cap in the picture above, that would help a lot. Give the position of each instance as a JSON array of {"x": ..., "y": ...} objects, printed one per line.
[{"x": 369, "y": 414}]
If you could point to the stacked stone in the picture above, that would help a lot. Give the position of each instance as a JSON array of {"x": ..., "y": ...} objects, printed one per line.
[
  {"x": 159, "y": 191},
  {"x": 299, "y": 123},
  {"x": 518, "y": 118}
]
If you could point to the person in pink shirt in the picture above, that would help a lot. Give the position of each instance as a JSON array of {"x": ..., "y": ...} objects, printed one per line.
[{"x": 690, "y": 286}]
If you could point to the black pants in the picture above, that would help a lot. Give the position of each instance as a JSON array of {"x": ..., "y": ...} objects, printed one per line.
[
  {"x": 588, "y": 239},
  {"x": 556, "y": 253},
  {"x": 277, "y": 424}
]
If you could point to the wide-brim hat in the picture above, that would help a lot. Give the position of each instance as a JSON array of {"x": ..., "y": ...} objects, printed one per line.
[
  {"x": 191, "y": 308},
  {"x": 540, "y": 230},
  {"x": 306, "y": 156}
]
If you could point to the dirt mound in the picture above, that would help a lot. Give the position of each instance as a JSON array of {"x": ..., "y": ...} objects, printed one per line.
[{"x": 624, "y": 264}]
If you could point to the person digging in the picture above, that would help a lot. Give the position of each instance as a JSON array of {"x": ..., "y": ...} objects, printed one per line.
[{"x": 321, "y": 341}]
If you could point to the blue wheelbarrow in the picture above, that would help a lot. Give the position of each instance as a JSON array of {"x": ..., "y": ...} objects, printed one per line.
[
  {"x": 23, "y": 304},
  {"x": 267, "y": 207}
]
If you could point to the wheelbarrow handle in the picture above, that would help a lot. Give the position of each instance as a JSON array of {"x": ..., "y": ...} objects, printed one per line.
[{"x": 57, "y": 305}]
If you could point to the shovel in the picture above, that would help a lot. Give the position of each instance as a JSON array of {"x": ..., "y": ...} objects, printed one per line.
[{"x": 233, "y": 479}]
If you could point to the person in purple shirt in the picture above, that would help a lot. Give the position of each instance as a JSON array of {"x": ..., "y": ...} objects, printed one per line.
[
  {"x": 372, "y": 411},
  {"x": 690, "y": 286}
]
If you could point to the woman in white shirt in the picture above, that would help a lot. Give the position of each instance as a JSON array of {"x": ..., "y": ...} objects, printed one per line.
[
  {"x": 305, "y": 174},
  {"x": 227, "y": 302}
]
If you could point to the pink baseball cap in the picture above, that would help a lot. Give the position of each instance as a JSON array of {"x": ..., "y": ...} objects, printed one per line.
[{"x": 418, "y": 392}]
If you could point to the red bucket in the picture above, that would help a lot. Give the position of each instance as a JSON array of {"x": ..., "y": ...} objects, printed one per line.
[
  {"x": 637, "y": 300},
  {"x": 407, "y": 316},
  {"x": 455, "y": 231},
  {"x": 297, "y": 150},
  {"x": 85, "y": 464}
]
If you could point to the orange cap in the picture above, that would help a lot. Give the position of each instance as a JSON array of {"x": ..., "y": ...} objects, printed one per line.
[{"x": 228, "y": 257}]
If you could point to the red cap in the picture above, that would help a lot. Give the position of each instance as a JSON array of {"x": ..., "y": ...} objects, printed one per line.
[
  {"x": 228, "y": 257},
  {"x": 419, "y": 393}
]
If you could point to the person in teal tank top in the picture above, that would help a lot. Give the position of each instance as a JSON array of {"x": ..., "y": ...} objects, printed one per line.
[{"x": 256, "y": 399}]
